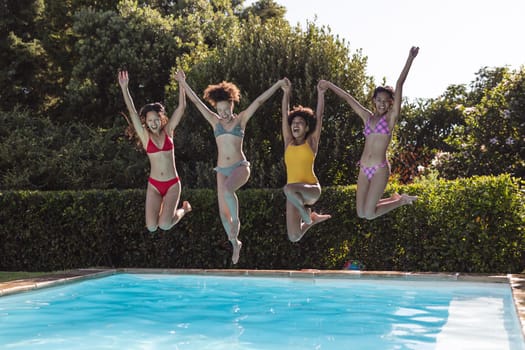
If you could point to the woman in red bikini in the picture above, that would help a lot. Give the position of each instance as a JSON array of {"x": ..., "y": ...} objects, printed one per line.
[
  {"x": 155, "y": 132},
  {"x": 374, "y": 167}
]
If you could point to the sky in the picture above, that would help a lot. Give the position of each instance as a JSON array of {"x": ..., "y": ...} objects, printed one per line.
[{"x": 456, "y": 38}]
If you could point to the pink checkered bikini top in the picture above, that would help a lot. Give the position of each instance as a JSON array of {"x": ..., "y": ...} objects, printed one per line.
[{"x": 380, "y": 128}]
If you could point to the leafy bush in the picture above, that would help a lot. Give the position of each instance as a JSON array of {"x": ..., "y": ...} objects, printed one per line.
[
  {"x": 465, "y": 225},
  {"x": 41, "y": 155}
]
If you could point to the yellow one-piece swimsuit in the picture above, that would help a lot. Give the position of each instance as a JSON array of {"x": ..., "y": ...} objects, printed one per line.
[{"x": 299, "y": 161}]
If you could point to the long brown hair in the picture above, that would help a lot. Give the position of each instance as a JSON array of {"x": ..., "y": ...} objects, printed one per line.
[{"x": 130, "y": 131}]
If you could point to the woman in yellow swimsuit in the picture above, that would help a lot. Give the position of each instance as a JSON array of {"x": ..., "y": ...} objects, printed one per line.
[
  {"x": 301, "y": 132},
  {"x": 233, "y": 169}
]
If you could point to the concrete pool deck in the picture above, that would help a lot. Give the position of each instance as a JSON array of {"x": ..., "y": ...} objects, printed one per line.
[{"x": 516, "y": 281}]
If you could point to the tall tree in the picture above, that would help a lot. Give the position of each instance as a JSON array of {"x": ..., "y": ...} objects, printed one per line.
[
  {"x": 265, "y": 10},
  {"x": 138, "y": 39},
  {"x": 492, "y": 141},
  {"x": 24, "y": 66}
]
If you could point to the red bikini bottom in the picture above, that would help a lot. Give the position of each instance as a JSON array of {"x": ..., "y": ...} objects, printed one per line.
[{"x": 163, "y": 186}]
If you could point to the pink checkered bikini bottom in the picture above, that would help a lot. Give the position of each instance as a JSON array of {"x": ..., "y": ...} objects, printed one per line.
[{"x": 371, "y": 170}]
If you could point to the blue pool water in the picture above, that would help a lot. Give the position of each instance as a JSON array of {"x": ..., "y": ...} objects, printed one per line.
[{"x": 150, "y": 311}]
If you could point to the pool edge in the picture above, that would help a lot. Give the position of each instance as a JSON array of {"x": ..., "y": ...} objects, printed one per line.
[
  {"x": 51, "y": 280},
  {"x": 516, "y": 281}
]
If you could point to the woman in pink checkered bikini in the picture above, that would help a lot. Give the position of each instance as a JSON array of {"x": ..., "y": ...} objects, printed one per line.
[{"x": 374, "y": 167}]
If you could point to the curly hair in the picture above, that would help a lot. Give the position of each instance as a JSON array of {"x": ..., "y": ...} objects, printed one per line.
[
  {"x": 388, "y": 89},
  {"x": 224, "y": 91},
  {"x": 130, "y": 131},
  {"x": 307, "y": 114}
]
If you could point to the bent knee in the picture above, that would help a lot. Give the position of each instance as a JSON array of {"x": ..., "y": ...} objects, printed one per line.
[
  {"x": 165, "y": 226},
  {"x": 294, "y": 236},
  {"x": 152, "y": 228},
  {"x": 370, "y": 216},
  {"x": 228, "y": 191},
  {"x": 288, "y": 190},
  {"x": 363, "y": 214}
]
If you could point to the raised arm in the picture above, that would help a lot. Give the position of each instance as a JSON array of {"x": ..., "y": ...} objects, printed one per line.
[
  {"x": 123, "y": 80},
  {"x": 285, "y": 109},
  {"x": 207, "y": 113},
  {"x": 319, "y": 113},
  {"x": 361, "y": 111},
  {"x": 248, "y": 112},
  {"x": 398, "y": 93},
  {"x": 179, "y": 111}
]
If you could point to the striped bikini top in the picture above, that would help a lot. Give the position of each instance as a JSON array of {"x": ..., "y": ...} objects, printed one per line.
[
  {"x": 380, "y": 128},
  {"x": 236, "y": 131}
]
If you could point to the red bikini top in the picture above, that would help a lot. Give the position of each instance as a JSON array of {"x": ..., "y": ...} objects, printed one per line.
[{"x": 167, "y": 146}]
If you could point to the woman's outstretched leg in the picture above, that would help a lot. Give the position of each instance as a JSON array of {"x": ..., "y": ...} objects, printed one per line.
[
  {"x": 230, "y": 205},
  {"x": 373, "y": 205},
  {"x": 232, "y": 230}
]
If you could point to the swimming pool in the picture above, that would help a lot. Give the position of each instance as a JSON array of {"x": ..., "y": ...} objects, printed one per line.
[{"x": 160, "y": 311}]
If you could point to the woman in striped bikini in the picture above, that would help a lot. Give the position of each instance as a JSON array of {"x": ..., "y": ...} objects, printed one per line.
[
  {"x": 233, "y": 169},
  {"x": 374, "y": 167},
  {"x": 301, "y": 130},
  {"x": 152, "y": 127}
]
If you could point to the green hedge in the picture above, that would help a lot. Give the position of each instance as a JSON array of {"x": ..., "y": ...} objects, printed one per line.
[{"x": 465, "y": 225}]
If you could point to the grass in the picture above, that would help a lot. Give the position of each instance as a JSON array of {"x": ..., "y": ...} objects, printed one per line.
[{"x": 6, "y": 276}]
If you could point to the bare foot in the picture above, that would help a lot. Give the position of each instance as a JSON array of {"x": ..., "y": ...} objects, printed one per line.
[
  {"x": 186, "y": 206},
  {"x": 179, "y": 213},
  {"x": 237, "y": 245},
  {"x": 317, "y": 218},
  {"x": 395, "y": 196},
  {"x": 406, "y": 199}
]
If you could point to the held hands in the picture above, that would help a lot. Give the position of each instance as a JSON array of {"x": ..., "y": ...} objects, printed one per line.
[
  {"x": 286, "y": 85},
  {"x": 123, "y": 78},
  {"x": 322, "y": 86},
  {"x": 180, "y": 76}
]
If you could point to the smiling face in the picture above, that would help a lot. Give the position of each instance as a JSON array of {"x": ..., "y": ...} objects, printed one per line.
[
  {"x": 225, "y": 109},
  {"x": 302, "y": 122},
  {"x": 299, "y": 127},
  {"x": 153, "y": 116},
  {"x": 153, "y": 121},
  {"x": 383, "y": 101}
]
